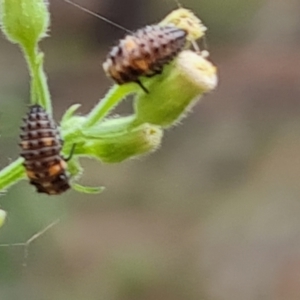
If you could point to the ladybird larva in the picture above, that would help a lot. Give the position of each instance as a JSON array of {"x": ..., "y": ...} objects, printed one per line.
[
  {"x": 144, "y": 53},
  {"x": 41, "y": 146}
]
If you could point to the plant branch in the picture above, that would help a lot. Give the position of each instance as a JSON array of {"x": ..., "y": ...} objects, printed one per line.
[
  {"x": 13, "y": 173},
  {"x": 39, "y": 88},
  {"x": 112, "y": 98}
]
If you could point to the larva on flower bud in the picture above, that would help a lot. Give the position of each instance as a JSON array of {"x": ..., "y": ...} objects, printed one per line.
[{"x": 144, "y": 53}]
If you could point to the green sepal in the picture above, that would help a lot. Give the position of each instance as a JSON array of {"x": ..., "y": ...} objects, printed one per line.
[
  {"x": 69, "y": 113},
  {"x": 71, "y": 125},
  {"x": 87, "y": 189},
  {"x": 74, "y": 168},
  {"x": 113, "y": 125}
]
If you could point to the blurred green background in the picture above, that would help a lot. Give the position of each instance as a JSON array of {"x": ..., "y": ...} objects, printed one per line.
[{"x": 213, "y": 215}]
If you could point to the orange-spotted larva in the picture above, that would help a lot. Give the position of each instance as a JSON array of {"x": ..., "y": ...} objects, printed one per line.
[
  {"x": 144, "y": 53},
  {"x": 41, "y": 146}
]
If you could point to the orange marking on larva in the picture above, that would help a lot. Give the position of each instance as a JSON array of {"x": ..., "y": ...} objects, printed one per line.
[
  {"x": 141, "y": 64},
  {"x": 48, "y": 142},
  {"x": 47, "y": 184},
  {"x": 31, "y": 174},
  {"x": 63, "y": 164},
  {"x": 116, "y": 75},
  {"x": 25, "y": 145},
  {"x": 129, "y": 44},
  {"x": 55, "y": 169}
]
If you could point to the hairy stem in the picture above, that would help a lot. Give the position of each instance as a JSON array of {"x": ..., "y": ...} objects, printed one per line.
[{"x": 39, "y": 88}]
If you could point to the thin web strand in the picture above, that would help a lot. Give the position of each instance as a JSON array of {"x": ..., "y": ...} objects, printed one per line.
[
  {"x": 27, "y": 244},
  {"x": 97, "y": 15}
]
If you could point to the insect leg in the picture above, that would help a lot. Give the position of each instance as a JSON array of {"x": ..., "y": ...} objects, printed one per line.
[
  {"x": 71, "y": 153},
  {"x": 141, "y": 85}
]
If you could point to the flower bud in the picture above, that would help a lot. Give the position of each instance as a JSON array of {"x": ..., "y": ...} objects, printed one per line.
[
  {"x": 116, "y": 147},
  {"x": 185, "y": 19},
  {"x": 24, "y": 21},
  {"x": 174, "y": 93},
  {"x": 2, "y": 217}
]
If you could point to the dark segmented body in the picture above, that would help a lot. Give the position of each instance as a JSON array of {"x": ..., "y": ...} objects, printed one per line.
[
  {"x": 41, "y": 145},
  {"x": 144, "y": 53}
]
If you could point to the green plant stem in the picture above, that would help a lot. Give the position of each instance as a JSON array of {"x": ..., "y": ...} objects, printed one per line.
[
  {"x": 112, "y": 98},
  {"x": 13, "y": 173},
  {"x": 39, "y": 88}
]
